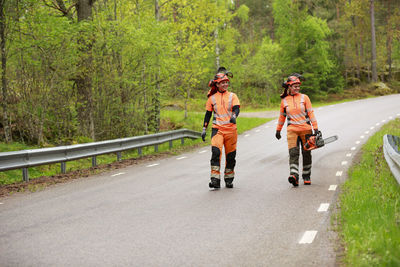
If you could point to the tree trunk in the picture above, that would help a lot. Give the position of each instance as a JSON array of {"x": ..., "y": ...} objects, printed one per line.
[
  {"x": 7, "y": 132},
  {"x": 389, "y": 40},
  {"x": 156, "y": 100},
  {"x": 216, "y": 44},
  {"x": 84, "y": 79},
  {"x": 373, "y": 43}
]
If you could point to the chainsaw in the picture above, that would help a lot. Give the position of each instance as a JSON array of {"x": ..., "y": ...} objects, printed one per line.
[{"x": 314, "y": 141}]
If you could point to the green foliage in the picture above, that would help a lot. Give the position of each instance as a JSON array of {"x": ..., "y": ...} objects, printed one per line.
[
  {"x": 107, "y": 76},
  {"x": 369, "y": 208}
]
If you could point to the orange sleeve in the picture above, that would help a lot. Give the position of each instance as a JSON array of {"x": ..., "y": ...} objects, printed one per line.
[
  {"x": 282, "y": 117},
  {"x": 235, "y": 100},
  {"x": 310, "y": 112},
  {"x": 209, "y": 106}
]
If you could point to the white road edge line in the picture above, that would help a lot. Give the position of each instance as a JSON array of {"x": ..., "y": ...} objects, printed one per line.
[
  {"x": 362, "y": 136},
  {"x": 348, "y": 155},
  {"x": 339, "y": 173},
  {"x": 258, "y": 130},
  {"x": 203, "y": 151},
  {"x": 390, "y": 117},
  {"x": 247, "y": 135},
  {"x": 323, "y": 207},
  {"x": 181, "y": 158},
  {"x": 152, "y": 165},
  {"x": 308, "y": 237},
  {"x": 332, "y": 187},
  {"x": 267, "y": 126},
  {"x": 371, "y": 127},
  {"x": 353, "y": 148},
  {"x": 120, "y": 173},
  {"x": 344, "y": 162},
  {"x": 1, "y": 203},
  {"x": 366, "y": 132},
  {"x": 357, "y": 142}
]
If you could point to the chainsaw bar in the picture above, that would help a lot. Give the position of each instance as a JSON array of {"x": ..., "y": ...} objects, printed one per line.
[{"x": 331, "y": 139}]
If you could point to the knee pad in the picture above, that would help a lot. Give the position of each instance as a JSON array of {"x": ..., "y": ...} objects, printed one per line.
[
  {"x": 215, "y": 157},
  {"x": 230, "y": 160}
]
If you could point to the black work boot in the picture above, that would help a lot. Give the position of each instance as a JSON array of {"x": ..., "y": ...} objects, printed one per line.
[
  {"x": 307, "y": 180},
  {"x": 229, "y": 182},
  {"x": 294, "y": 180},
  {"x": 215, "y": 183}
]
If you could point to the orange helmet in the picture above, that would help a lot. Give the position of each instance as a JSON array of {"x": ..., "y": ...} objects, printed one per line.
[
  {"x": 219, "y": 77},
  {"x": 293, "y": 80}
]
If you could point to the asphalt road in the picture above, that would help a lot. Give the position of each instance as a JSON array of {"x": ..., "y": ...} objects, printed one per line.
[{"x": 163, "y": 213}]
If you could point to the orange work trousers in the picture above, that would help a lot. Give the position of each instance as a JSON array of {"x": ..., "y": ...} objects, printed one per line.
[{"x": 227, "y": 140}]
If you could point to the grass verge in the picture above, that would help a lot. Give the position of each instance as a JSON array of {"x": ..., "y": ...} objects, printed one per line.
[
  {"x": 194, "y": 121},
  {"x": 368, "y": 219}
]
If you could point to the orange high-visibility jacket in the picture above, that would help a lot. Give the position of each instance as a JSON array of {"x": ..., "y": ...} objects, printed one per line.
[
  {"x": 299, "y": 113},
  {"x": 221, "y": 104}
]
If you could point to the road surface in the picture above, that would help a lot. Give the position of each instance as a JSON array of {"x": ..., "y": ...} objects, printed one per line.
[{"x": 162, "y": 213}]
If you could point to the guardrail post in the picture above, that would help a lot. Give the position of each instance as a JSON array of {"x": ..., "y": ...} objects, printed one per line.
[
  {"x": 170, "y": 143},
  {"x": 155, "y": 148},
  {"x": 25, "y": 174},
  {"x": 94, "y": 161},
  {"x": 63, "y": 167},
  {"x": 119, "y": 156},
  {"x": 139, "y": 150},
  {"x": 182, "y": 140}
]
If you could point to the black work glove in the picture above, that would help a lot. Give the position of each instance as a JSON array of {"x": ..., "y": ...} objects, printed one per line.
[
  {"x": 278, "y": 135},
  {"x": 233, "y": 119},
  {"x": 316, "y": 132},
  {"x": 203, "y": 134}
]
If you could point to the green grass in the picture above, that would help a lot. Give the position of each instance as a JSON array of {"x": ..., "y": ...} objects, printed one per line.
[
  {"x": 369, "y": 215},
  {"x": 194, "y": 121}
]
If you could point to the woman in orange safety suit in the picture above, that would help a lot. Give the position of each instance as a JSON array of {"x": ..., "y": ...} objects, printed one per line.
[
  {"x": 225, "y": 106},
  {"x": 300, "y": 115}
]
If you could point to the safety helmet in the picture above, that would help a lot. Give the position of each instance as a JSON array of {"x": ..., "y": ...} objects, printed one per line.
[
  {"x": 219, "y": 77},
  {"x": 293, "y": 80}
]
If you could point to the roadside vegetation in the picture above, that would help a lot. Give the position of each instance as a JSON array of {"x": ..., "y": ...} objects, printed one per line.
[{"x": 369, "y": 214}]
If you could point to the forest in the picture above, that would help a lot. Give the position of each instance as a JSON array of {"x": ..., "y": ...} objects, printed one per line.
[{"x": 90, "y": 70}]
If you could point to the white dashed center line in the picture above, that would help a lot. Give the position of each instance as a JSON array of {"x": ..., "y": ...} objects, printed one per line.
[
  {"x": 357, "y": 142},
  {"x": 348, "y": 155},
  {"x": 344, "y": 162},
  {"x": 362, "y": 136},
  {"x": 181, "y": 158},
  {"x": 323, "y": 207},
  {"x": 308, "y": 237},
  {"x": 1, "y": 203},
  {"x": 339, "y": 173},
  {"x": 203, "y": 151},
  {"x": 120, "y": 173},
  {"x": 332, "y": 187},
  {"x": 371, "y": 127},
  {"x": 383, "y": 120},
  {"x": 267, "y": 126},
  {"x": 366, "y": 132},
  {"x": 258, "y": 130},
  {"x": 377, "y": 123},
  {"x": 247, "y": 135},
  {"x": 152, "y": 165},
  {"x": 353, "y": 148}
]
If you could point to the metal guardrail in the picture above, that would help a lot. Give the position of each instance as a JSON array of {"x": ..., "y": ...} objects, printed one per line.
[
  {"x": 24, "y": 159},
  {"x": 391, "y": 146}
]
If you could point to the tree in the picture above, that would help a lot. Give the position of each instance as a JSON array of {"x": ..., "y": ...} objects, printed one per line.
[
  {"x": 373, "y": 42},
  {"x": 6, "y": 126}
]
